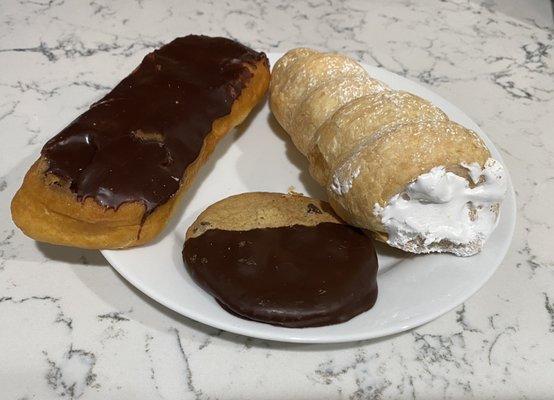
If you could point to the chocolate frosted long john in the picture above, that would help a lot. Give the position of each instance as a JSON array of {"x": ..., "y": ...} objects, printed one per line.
[
  {"x": 135, "y": 144},
  {"x": 296, "y": 276}
]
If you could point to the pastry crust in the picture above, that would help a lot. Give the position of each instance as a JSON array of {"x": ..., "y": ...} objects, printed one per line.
[
  {"x": 322, "y": 102},
  {"x": 254, "y": 210},
  {"x": 45, "y": 209},
  {"x": 301, "y": 76},
  {"x": 366, "y": 148},
  {"x": 281, "y": 67},
  {"x": 358, "y": 120},
  {"x": 395, "y": 156}
]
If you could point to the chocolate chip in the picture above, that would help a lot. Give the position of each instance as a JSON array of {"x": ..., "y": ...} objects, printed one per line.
[{"x": 312, "y": 209}]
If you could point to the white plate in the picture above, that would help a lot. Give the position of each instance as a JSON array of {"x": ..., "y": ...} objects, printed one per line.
[{"x": 259, "y": 157}]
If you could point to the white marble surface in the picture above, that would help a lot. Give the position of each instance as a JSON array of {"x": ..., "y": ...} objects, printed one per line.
[
  {"x": 534, "y": 12},
  {"x": 72, "y": 328}
]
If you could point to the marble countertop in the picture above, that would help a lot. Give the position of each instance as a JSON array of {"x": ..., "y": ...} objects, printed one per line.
[{"x": 72, "y": 328}]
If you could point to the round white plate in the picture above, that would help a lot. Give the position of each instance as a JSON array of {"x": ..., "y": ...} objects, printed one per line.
[{"x": 258, "y": 156}]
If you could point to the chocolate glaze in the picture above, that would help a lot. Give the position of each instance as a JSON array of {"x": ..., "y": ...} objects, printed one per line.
[
  {"x": 296, "y": 276},
  {"x": 136, "y": 142}
]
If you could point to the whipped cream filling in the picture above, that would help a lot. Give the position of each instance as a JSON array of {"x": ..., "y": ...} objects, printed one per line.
[{"x": 439, "y": 211}]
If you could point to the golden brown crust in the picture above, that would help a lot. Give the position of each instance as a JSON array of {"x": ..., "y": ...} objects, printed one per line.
[
  {"x": 254, "y": 210},
  {"x": 322, "y": 102},
  {"x": 301, "y": 75},
  {"x": 368, "y": 147},
  {"x": 396, "y": 156},
  {"x": 50, "y": 212},
  {"x": 358, "y": 120}
]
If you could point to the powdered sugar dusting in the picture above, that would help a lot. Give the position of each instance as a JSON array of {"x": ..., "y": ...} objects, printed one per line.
[{"x": 344, "y": 186}]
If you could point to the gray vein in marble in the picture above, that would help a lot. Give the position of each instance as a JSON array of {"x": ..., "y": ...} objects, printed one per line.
[
  {"x": 366, "y": 386},
  {"x": 115, "y": 329},
  {"x": 491, "y": 319},
  {"x": 36, "y": 87},
  {"x": 92, "y": 85},
  {"x": 507, "y": 330},
  {"x": 433, "y": 348},
  {"x": 530, "y": 13},
  {"x": 72, "y": 47},
  {"x": 10, "y": 299},
  {"x": 10, "y": 109},
  {"x": 41, "y": 48},
  {"x": 549, "y": 306},
  {"x": 440, "y": 356},
  {"x": 61, "y": 318},
  {"x": 115, "y": 316},
  {"x": 147, "y": 342},
  {"x": 208, "y": 340},
  {"x": 370, "y": 391},
  {"x": 461, "y": 319},
  {"x": 102, "y": 9},
  {"x": 198, "y": 395},
  {"x": 531, "y": 258},
  {"x": 327, "y": 372},
  {"x": 43, "y": 5},
  {"x": 6, "y": 250},
  {"x": 73, "y": 374}
]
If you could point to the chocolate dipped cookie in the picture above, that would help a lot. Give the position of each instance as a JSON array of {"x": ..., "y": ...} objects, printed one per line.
[
  {"x": 111, "y": 178},
  {"x": 285, "y": 260}
]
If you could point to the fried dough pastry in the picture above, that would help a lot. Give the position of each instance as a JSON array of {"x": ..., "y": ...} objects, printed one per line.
[{"x": 112, "y": 177}]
